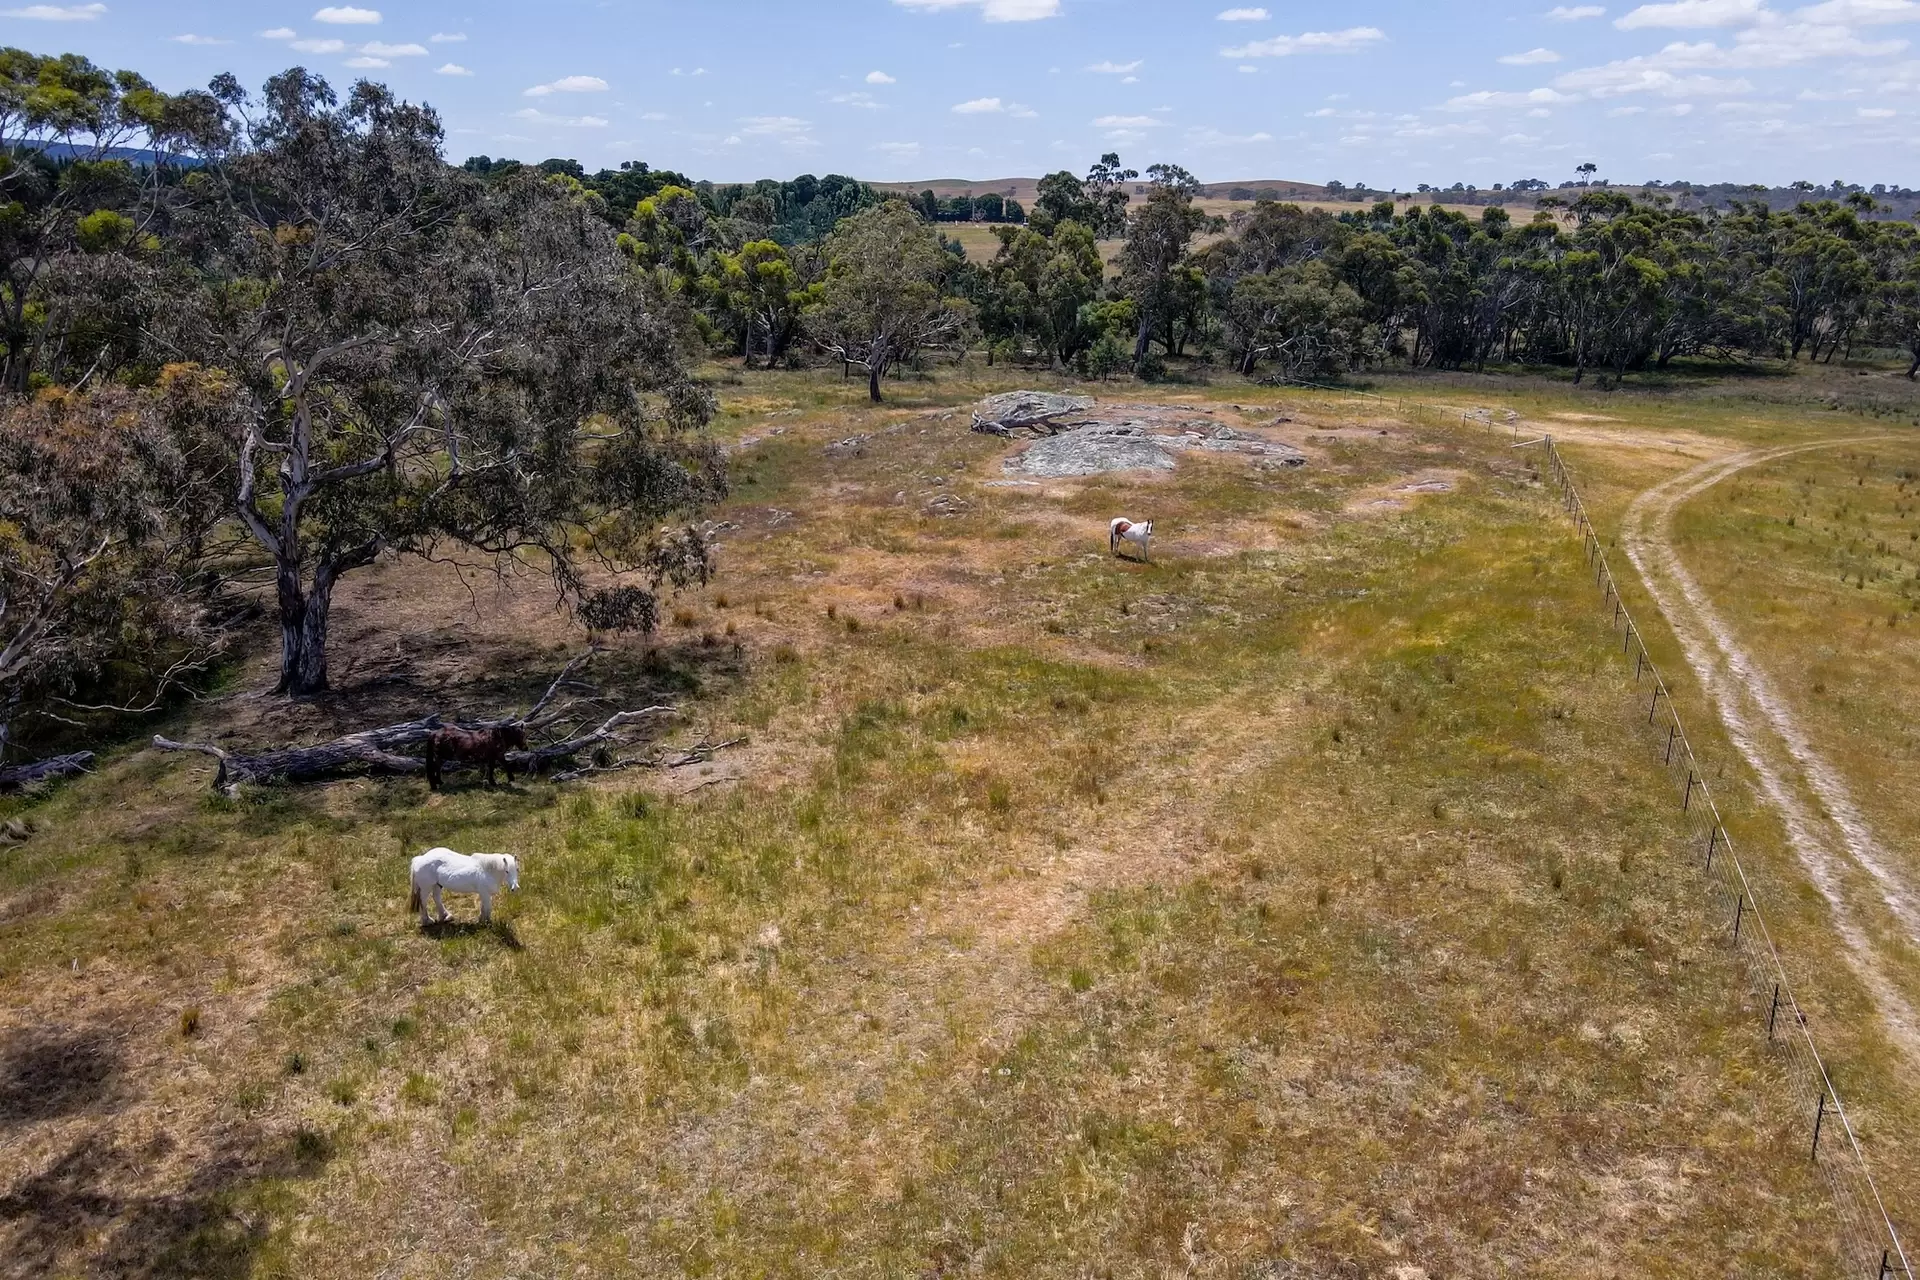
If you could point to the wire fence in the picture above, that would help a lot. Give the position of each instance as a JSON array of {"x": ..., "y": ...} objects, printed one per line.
[{"x": 1866, "y": 1232}]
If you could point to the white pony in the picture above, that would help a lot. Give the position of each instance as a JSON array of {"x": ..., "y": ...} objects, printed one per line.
[
  {"x": 481, "y": 873},
  {"x": 1135, "y": 531}
]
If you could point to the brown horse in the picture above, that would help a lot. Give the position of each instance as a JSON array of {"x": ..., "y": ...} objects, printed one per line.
[{"x": 486, "y": 746}]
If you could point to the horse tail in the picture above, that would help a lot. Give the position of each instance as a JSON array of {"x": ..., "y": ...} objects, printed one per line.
[{"x": 413, "y": 898}]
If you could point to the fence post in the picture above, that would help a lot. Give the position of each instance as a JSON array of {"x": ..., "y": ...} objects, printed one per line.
[
  {"x": 1773, "y": 1012},
  {"x": 1713, "y": 835},
  {"x": 1686, "y": 801},
  {"x": 1639, "y": 660},
  {"x": 1818, "y": 1117},
  {"x": 1739, "y": 909}
]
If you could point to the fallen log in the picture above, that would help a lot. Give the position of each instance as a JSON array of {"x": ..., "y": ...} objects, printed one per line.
[
  {"x": 306, "y": 764},
  {"x": 18, "y": 777},
  {"x": 379, "y": 750}
]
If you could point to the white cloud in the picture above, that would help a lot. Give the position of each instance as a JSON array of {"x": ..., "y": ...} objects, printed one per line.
[
  {"x": 654, "y": 115},
  {"x": 773, "y": 126},
  {"x": 347, "y": 15},
  {"x": 1116, "y": 68},
  {"x": 279, "y": 33},
  {"x": 1518, "y": 140},
  {"x": 1321, "y": 113},
  {"x": 447, "y": 37},
  {"x": 1218, "y": 138},
  {"x": 451, "y": 69},
  {"x": 376, "y": 49},
  {"x": 193, "y": 39},
  {"x": 1695, "y": 14},
  {"x": 880, "y": 77},
  {"x": 1347, "y": 41},
  {"x": 978, "y": 106},
  {"x": 1576, "y": 13},
  {"x": 1246, "y": 70},
  {"x": 1652, "y": 74},
  {"x": 537, "y": 116},
  {"x": 1861, "y": 13},
  {"x": 899, "y": 150},
  {"x": 992, "y": 10},
  {"x": 697, "y": 71},
  {"x": 1531, "y": 58},
  {"x": 864, "y": 101},
  {"x": 57, "y": 12},
  {"x": 568, "y": 84},
  {"x": 363, "y": 63},
  {"x": 320, "y": 46},
  {"x": 1617, "y": 112},
  {"x": 1489, "y": 98},
  {"x": 1242, "y": 15},
  {"x": 1126, "y": 122},
  {"x": 1875, "y": 113}
]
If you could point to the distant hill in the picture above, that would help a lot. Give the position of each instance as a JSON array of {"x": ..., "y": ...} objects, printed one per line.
[
  {"x": 1025, "y": 190},
  {"x": 60, "y": 151},
  {"x": 1893, "y": 202}
]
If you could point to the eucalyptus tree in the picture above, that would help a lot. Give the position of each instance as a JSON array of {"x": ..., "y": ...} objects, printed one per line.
[
  {"x": 79, "y": 218},
  {"x": 422, "y": 359},
  {"x": 1152, "y": 264},
  {"x": 107, "y": 499},
  {"x": 1035, "y": 287},
  {"x": 882, "y": 301}
]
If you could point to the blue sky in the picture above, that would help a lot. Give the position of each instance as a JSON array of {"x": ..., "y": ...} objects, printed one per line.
[{"x": 1387, "y": 92}]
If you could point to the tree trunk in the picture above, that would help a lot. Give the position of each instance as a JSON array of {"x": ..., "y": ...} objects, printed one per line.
[
  {"x": 1914, "y": 368},
  {"x": 873, "y": 382},
  {"x": 1142, "y": 338},
  {"x": 303, "y": 623}
]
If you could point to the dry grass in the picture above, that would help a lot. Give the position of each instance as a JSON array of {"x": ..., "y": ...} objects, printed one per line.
[{"x": 1302, "y": 903}]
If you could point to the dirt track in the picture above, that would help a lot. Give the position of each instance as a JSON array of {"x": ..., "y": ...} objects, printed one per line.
[{"x": 1830, "y": 836}]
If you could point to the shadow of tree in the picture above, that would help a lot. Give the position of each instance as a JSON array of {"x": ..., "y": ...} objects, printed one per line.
[
  {"x": 56, "y": 1071},
  {"x": 205, "y": 1227}
]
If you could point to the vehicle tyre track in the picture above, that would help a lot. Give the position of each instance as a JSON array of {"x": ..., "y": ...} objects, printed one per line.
[{"x": 1832, "y": 838}]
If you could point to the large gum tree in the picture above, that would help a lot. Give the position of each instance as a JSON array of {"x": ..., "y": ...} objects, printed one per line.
[{"x": 423, "y": 360}]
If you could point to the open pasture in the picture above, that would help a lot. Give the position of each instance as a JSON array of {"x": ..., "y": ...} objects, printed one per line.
[{"x": 1307, "y": 902}]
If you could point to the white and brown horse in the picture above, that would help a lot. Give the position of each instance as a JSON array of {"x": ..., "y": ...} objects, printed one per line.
[
  {"x": 1138, "y": 532},
  {"x": 483, "y": 873}
]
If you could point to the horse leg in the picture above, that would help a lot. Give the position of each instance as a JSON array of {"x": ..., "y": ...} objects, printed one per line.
[
  {"x": 420, "y": 900},
  {"x": 486, "y": 906},
  {"x": 440, "y": 906}
]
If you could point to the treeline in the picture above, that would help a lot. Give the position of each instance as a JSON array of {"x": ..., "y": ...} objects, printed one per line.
[
  {"x": 795, "y": 212},
  {"x": 1605, "y": 281}
]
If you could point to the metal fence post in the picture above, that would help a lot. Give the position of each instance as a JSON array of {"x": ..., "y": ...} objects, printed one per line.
[
  {"x": 1773, "y": 1012},
  {"x": 1739, "y": 909},
  {"x": 1819, "y": 1116},
  {"x": 1686, "y": 801},
  {"x": 1713, "y": 834}
]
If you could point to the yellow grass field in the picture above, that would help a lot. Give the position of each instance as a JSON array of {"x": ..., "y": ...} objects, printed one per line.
[{"x": 1306, "y": 902}]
